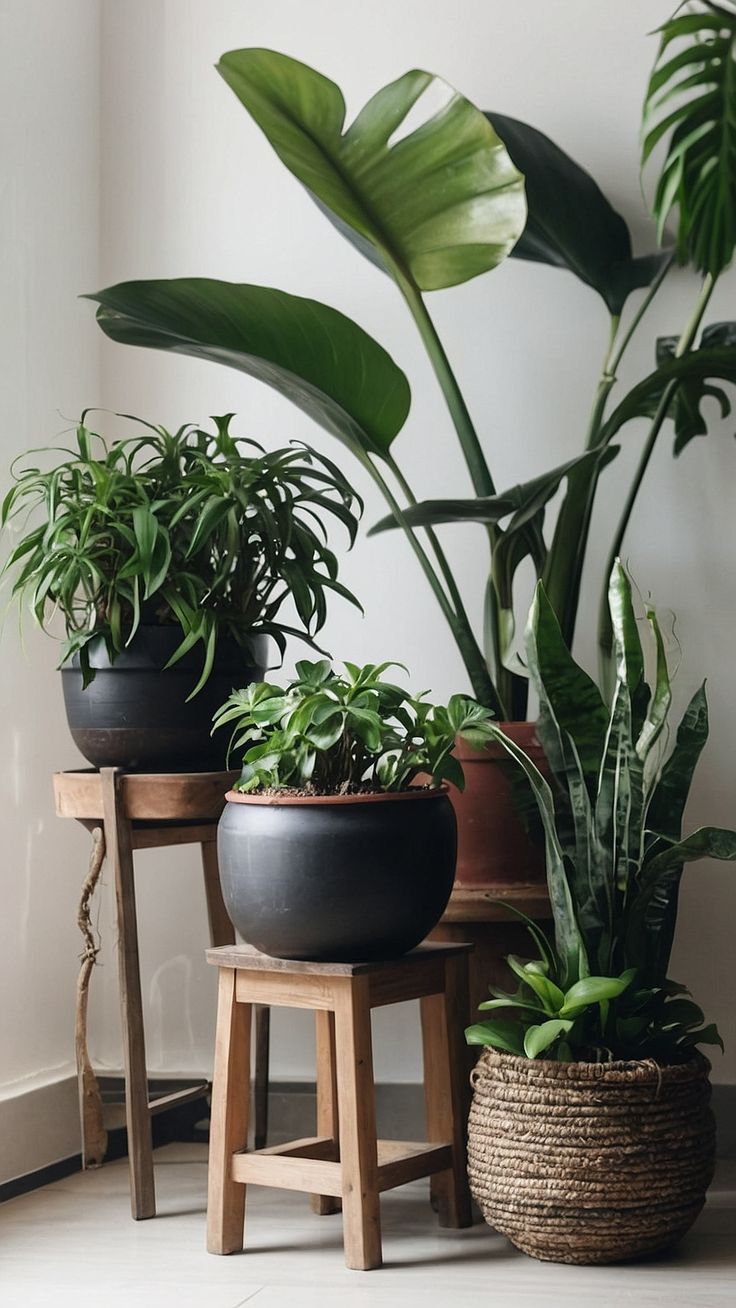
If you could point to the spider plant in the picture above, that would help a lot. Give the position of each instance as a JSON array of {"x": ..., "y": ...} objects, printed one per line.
[{"x": 204, "y": 530}]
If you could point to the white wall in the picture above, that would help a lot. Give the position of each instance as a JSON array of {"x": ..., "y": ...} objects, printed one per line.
[
  {"x": 189, "y": 186},
  {"x": 49, "y": 353}
]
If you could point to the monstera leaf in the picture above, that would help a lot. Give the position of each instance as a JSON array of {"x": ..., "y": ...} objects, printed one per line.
[
  {"x": 693, "y": 374},
  {"x": 319, "y": 359},
  {"x": 686, "y": 411},
  {"x": 435, "y": 203},
  {"x": 570, "y": 223},
  {"x": 692, "y": 99}
]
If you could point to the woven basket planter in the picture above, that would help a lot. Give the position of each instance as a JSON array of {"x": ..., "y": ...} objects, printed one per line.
[{"x": 590, "y": 1162}]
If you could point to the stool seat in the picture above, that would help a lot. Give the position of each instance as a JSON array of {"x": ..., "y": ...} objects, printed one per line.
[{"x": 344, "y": 1161}]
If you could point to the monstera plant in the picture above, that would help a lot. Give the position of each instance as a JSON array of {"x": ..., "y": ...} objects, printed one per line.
[{"x": 433, "y": 205}]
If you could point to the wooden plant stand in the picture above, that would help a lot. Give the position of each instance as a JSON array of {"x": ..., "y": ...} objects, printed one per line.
[
  {"x": 344, "y": 1163},
  {"x": 126, "y": 812}
]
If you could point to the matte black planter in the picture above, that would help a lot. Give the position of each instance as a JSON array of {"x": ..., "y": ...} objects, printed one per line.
[
  {"x": 349, "y": 877},
  {"x": 134, "y": 715}
]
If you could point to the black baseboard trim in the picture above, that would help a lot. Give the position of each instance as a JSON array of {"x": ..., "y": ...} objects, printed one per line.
[{"x": 176, "y": 1123}]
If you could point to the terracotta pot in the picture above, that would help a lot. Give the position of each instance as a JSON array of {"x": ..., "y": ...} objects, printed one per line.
[{"x": 493, "y": 848}]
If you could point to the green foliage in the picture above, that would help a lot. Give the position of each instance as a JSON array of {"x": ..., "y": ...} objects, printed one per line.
[
  {"x": 615, "y": 853},
  {"x": 691, "y": 100},
  {"x": 436, "y": 202},
  {"x": 329, "y": 734},
  {"x": 200, "y": 529}
]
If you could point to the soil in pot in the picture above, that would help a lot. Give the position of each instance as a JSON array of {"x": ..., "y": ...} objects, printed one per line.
[
  {"x": 590, "y": 1162},
  {"x": 135, "y": 714},
  {"x": 337, "y": 878},
  {"x": 493, "y": 846}
]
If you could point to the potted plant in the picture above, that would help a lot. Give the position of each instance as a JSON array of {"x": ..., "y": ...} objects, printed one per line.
[
  {"x": 168, "y": 556},
  {"x": 590, "y": 1135},
  {"x": 328, "y": 848},
  {"x": 435, "y": 204}
]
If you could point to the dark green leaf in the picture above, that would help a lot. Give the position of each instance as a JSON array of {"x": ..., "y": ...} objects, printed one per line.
[
  {"x": 316, "y": 357},
  {"x": 570, "y": 223}
]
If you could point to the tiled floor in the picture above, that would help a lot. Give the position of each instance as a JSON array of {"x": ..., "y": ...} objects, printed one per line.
[{"x": 73, "y": 1245}]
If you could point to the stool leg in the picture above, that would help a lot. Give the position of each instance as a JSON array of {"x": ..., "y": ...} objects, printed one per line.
[
  {"x": 137, "y": 1115},
  {"x": 328, "y": 1124},
  {"x": 228, "y": 1118},
  {"x": 444, "y": 1017},
  {"x": 358, "y": 1149},
  {"x": 260, "y": 1078},
  {"x": 222, "y": 932}
]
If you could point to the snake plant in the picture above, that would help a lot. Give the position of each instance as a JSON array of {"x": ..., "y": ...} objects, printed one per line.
[{"x": 612, "y": 813}]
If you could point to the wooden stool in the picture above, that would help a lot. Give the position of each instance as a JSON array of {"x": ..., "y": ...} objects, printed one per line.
[
  {"x": 344, "y": 1160},
  {"x": 147, "y": 811}
]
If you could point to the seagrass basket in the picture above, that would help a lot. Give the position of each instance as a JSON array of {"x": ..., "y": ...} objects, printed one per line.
[{"x": 590, "y": 1162}]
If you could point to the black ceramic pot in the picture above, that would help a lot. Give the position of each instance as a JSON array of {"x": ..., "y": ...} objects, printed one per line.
[
  {"x": 135, "y": 714},
  {"x": 337, "y": 878}
]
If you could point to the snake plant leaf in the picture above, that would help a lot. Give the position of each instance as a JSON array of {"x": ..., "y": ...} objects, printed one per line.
[
  {"x": 570, "y": 702},
  {"x": 572, "y": 726},
  {"x": 661, "y": 700},
  {"x": 651, "y": 925},
  {"x": 688, "y": 418},
  {"x": 539, "y": 1038},
  {"x": 568, "y": 939},
  {"x": 570, "y": 223},
  {"x": 691, "y": 100},
  {"x": 435, "y": 204},
  {"x": 667, "y": 804},
  {"x": 319, "y": 359},
  {"x": 627, "y": 647},
  {"x": 693, "y": 371}
]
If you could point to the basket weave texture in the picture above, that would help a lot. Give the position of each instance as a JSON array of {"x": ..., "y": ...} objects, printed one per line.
[{"x": 590, "y": 1162}]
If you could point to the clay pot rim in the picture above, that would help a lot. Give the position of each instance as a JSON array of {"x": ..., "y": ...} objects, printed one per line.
[{"x": 379, "y": 797}]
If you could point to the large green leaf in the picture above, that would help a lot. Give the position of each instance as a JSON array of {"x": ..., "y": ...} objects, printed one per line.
[
  {"x": 570, "y": 223},
  {"x": 319, "y": 359},
  {"x": 691, "y": 99},
  {"x": 436, "y": 203}
]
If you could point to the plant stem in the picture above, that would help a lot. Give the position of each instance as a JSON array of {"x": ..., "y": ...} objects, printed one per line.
[
  {"x": 564, "y": 570},
  {"x": 463, "y": 423},
  {"x": 480, "y": 475},
  {"x": 683, "y": 347},
  {"x": 483, "y": 688}
]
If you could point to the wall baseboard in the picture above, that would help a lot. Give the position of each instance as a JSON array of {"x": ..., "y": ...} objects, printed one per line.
[{"x": 399, "y": 1112}]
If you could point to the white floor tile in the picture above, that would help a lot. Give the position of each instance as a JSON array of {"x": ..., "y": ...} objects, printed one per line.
[{"x": 74, "y": 1245}]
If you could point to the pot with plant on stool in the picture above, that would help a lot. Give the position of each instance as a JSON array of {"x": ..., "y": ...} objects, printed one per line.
[
  {"x": 327, "y": 850},
  {"x": 591, "y": 1138},
  {"x": 169, "y": 556}
]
